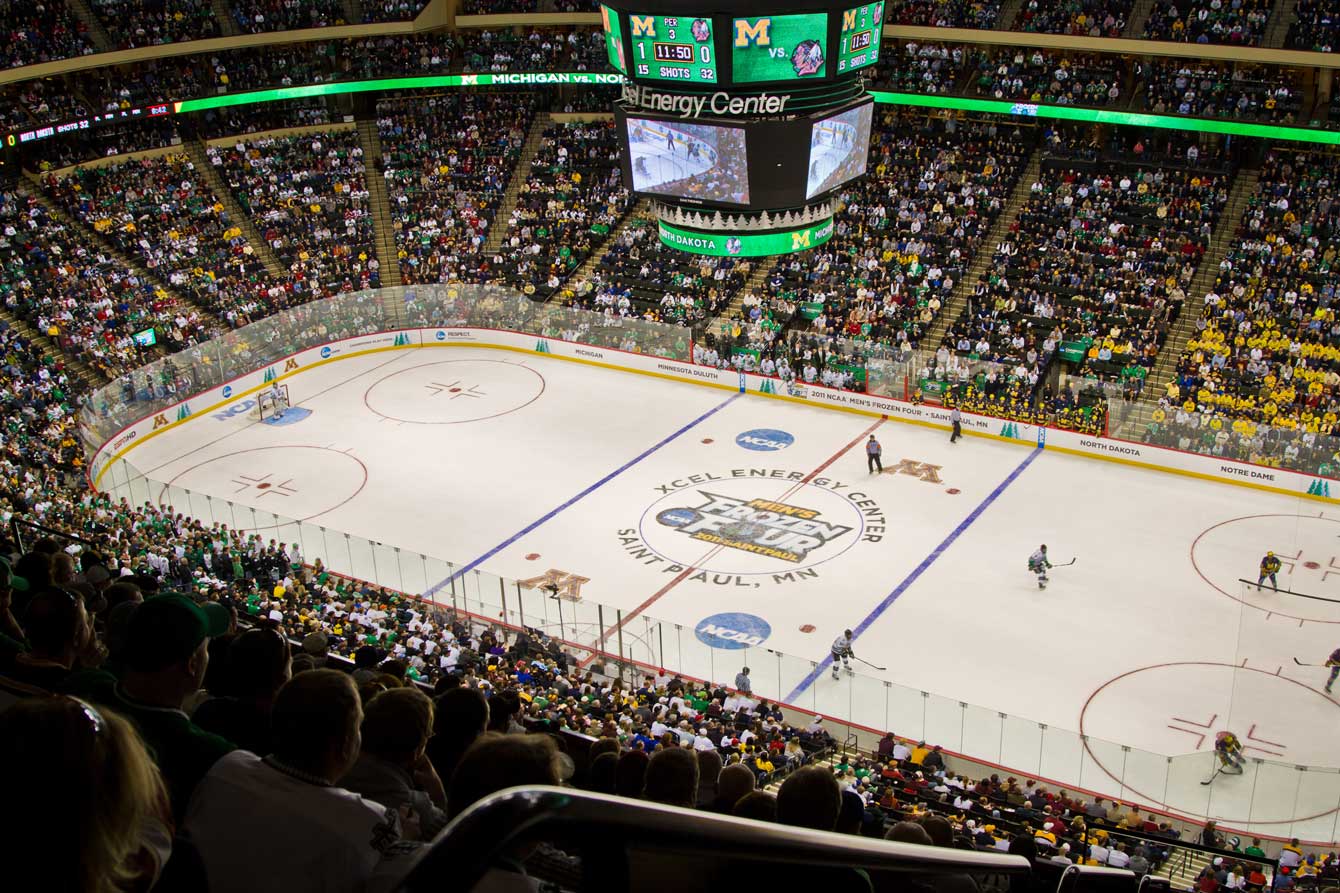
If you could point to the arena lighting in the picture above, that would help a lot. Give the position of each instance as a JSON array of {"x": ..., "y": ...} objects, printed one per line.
[
  {"x": 1102, "y": 116},
  {"x": 988, "y": 106},
  {"x": 537, "y": 78}
]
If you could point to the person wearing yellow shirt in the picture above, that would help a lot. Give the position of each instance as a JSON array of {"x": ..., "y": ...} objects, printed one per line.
[{"x": 919, "y": 753}]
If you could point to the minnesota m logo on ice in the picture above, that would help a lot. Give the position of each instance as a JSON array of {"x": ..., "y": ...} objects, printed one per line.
[{"x": 760, "y": 526}]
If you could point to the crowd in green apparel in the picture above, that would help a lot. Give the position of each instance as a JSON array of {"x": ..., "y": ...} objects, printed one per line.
[
  {"x": 160, "y": 211},
  {"x": 307, "y": 197},
  {"x": 572, "y": 196},
  {"x": 446, "y": 160},
  {"x": 75, "y": 293}
]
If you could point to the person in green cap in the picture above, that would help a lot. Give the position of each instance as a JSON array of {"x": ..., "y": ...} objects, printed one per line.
[{"x": 166, "y": 653}]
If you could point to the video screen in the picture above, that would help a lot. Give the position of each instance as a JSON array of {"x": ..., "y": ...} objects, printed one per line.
[
  {"x": 839, "y": 148},
  {"x": 694, "y": 161},
  {"x": 779, "y": 48},
  {"x": 613, "y": 39}
]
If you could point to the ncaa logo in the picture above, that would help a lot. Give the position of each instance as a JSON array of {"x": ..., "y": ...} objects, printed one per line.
[
  {"x": 765, "y": 440},
  {"x": 441, "y": 335},
  {"x": 325, "y": 353},
  {"x": 732, "y": 632},
  {"x": 227, "y": 390}
]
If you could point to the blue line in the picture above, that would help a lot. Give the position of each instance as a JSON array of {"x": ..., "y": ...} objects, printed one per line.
[
  {"x": 918, "y": 571},
  {"x": 580, "y": 496}
]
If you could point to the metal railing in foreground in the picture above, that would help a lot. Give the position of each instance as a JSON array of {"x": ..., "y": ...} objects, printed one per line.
[{"x": 626, "y": 845}]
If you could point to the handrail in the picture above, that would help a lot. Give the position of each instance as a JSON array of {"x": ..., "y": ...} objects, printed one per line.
[{"x": 464, "y": 849}]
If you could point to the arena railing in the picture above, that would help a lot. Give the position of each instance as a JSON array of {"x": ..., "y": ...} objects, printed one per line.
[
  {"x": 1268, "y": 801},
  {"x": 626, "y": 845}
]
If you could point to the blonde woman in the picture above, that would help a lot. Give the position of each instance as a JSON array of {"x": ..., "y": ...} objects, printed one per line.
[{"x": 85, "y": 771}]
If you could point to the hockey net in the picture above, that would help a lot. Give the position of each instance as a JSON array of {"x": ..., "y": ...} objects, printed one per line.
[{"x": 269, "y": 403}]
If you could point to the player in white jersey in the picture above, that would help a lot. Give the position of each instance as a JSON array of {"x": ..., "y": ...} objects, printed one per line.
[
  {"x": 1038, "y": 564},
  {"x": 842, "y": 652}
]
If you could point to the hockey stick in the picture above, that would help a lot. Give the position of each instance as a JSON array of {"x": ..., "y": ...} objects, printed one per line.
[
  {"x": 1066, "y": 564},
  {"x": 869, "y": 664},
  {"x": 1301, "y": 664},
  {"x": 1217, "y": 770}
]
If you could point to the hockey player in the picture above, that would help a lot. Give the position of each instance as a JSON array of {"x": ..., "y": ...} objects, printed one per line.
[
  {"x": 1038, "y": 564},
  {"x": 842, "y": 652},
  {"x": 1229, "y": 750},
  {"x": 1334, "y": 663},
  {"x": 1270, "y": 566}
]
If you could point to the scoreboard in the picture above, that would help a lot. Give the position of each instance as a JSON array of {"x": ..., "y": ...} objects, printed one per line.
[
  {"x": 745, "y": 42},
  {"x": 858, "y": 45},
  {"x": 740, "y": 121},
  {"x": 673, "y": 48}
]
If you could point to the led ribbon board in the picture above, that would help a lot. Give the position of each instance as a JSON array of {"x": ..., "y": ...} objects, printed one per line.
[{"x": 734, "y": 244}]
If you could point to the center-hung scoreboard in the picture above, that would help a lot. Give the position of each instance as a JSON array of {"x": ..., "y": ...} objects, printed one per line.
[
  {"x": 741, "y": 120},
  {"x": 714, "y": 47}
]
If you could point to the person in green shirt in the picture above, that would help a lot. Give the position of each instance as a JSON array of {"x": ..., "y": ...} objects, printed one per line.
[
  {"x": 165, "y": 654},
  {"x": 1255, "y": 849}
]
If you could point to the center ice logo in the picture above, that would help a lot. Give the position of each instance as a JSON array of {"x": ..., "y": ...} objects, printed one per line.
[
  {"x": 760, "y": 526},
  {"x": 764, "y": 439}
]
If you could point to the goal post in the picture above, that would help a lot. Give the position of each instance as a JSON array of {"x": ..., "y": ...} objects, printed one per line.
[{"x": 270, "y": 402}]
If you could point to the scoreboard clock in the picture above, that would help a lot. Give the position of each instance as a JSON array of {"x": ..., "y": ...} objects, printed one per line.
[
  {"x": 858, "y": 41},
  {"x": 672, "y": 48}
]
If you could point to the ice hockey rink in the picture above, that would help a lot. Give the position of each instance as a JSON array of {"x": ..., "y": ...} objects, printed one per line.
[{"x": 642, "y": 496}]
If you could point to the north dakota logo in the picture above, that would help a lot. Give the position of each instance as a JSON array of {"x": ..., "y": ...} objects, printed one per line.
[{"x": 760, "y": 526}]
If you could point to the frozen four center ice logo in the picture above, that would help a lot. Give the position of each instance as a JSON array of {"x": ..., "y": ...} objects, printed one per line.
[{"x": 759, "y": 526}]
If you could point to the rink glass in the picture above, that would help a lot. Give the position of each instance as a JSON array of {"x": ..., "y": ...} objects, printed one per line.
[{"x": 1274, "y": 797}]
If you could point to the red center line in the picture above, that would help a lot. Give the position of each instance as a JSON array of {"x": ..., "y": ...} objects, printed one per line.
[{"x": 690, "y": 571}]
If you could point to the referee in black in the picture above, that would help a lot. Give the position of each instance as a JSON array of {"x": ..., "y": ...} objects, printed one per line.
[{"x": 956, "y": 419}]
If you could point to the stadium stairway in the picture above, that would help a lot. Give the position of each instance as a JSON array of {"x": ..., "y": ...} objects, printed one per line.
[
  {"x": 758, "y": 277},
  {"x": 958, "y": 301},
  {"x": 96, "y": 33},
  {"x": 78, "y": 369},
  {"x": 1135, "y": 25},
  {"x": 1277, "y": 29},
  {"x": 125, "y": 260},
  {"x": 534, "y": 139},
  {"x": 353, "y": 11},
  {"x": 223, "y": 14},
  {"x": 207, "y": 171},
  {"x": 1225, "y": 232},
  {"x": 388, "y": 255},
  {"x": 637, "y": 213},
  {"x": 1009, "y": 11}
]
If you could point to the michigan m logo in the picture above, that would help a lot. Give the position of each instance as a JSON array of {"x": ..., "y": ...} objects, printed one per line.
[
  {"x": 925, "y": 471},
  {"x": 800, "y": 240},
  {"x": 848, "y": 20},
  {"x": 559, "y": 584},
  {"x": 755, "y": 33},
  {"x": 643, "y": 26}
]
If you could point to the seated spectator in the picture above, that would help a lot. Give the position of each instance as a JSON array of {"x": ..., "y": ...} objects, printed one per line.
[
  {"x": 58, "y": 634},
  {"x": 85, "y": 771},
  {"x": 166, "y": 654},
  {"x": 286, "y": 812},
  {"x": 460, "y": 716},
  {"x": 392, "y": 768},
  {"x": 255, "y": 667},
  {"x": 497, "y": 762},
  {"x": 672, "y": 778}
]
